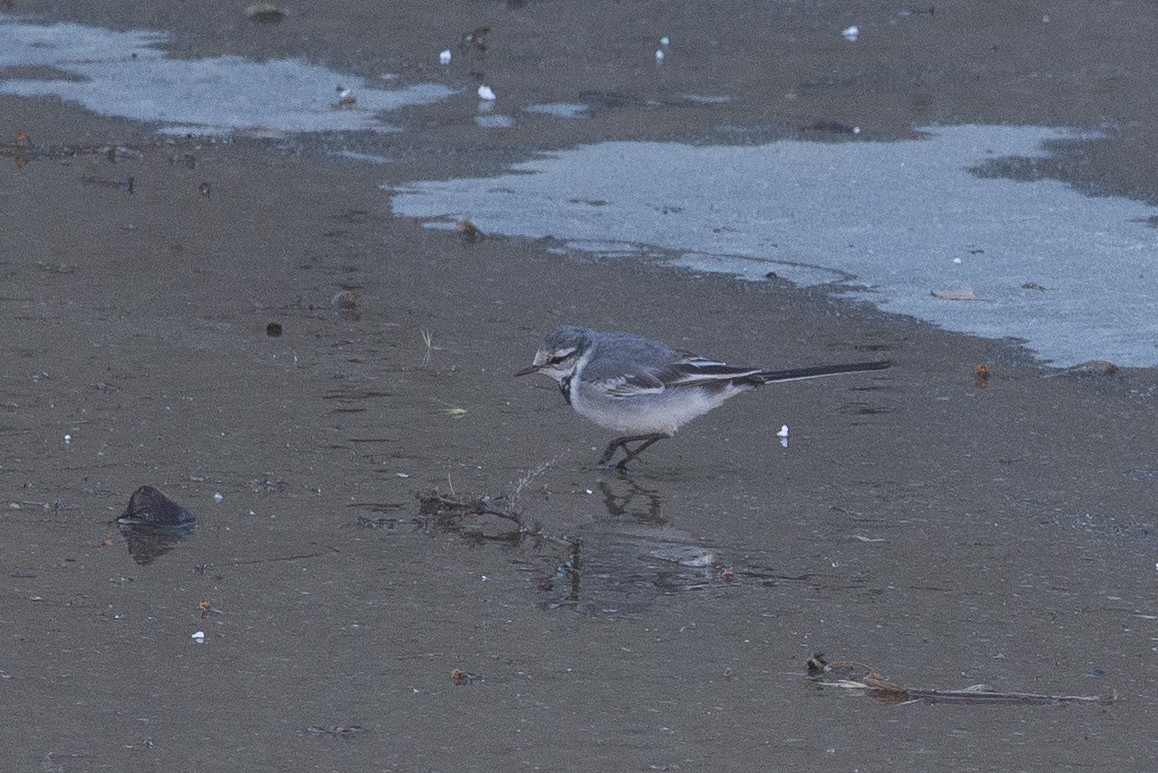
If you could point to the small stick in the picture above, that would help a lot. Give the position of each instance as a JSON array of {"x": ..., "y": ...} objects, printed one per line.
[{"x": 857, "y": 676}]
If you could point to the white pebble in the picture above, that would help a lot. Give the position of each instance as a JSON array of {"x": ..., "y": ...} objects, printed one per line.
[
  {"x": 659, "y": 55},
  {"x": 664, "y": 41},
  {"x": 68, "y": 438},
  {"x": 402, "y": 474},
  {"x": 851, "y": 33},
  {"x": 198, "y": 637},
  {"x": 486, "y": 92},
  {"x": 217, "y": 497},
  {"x": 783, "y": 431},
  {"x": 856, "y": 130},
  {"x": 956, "y": 260},
  {"x": 444, "y": 57}
]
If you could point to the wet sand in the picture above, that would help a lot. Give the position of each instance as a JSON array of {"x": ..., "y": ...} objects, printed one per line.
[{"x": 943, "y": 533}]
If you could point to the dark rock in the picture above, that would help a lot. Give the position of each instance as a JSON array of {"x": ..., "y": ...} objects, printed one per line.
[{"x": 149, "y": 507}]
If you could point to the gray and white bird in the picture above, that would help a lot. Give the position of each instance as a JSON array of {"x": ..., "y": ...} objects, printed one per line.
[{"x": 645, "y": 389}]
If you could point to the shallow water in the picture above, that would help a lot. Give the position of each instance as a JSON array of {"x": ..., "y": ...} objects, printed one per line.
[{"x": 945, "y": 531}]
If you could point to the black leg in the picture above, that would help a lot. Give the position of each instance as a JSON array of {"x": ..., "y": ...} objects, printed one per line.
[
  {"x": 621, "y": 442},
  {"x": 609, "y": 452}
]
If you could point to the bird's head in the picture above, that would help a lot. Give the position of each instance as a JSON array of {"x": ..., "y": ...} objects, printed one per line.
[{"x": 560, "y": 352}]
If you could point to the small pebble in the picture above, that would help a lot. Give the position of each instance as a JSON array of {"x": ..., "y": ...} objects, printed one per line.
[
  {"x": 851, "y": 33},
  {"x": 345, "y": 303},
  {"x": 486, "y": 92},
  {"x": 467, "y": 231},
  {"x": 217, "y": 497},
  {"x": 198, "y": 637},
  {"x": 444, "y": 57}
]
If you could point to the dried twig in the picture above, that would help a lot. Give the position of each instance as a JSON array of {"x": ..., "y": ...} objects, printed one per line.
[
  {"x": 857, "y": 676},
  {"x": 523, "y": 482},
  {"x": 434, "y": 502},
  {"x": 506, "y": 507}
]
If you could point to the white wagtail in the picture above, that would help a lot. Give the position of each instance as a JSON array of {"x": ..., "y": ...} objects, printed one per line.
[{"x": 645, "y": 389}]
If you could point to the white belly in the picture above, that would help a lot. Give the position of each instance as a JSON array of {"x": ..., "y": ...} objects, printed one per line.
[{"x": 662, "y": 413}]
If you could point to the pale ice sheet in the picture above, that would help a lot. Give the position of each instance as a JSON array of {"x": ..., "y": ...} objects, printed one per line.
[
  {"x": 127, "y": 74},
  {"x": 889, "y": 221}
]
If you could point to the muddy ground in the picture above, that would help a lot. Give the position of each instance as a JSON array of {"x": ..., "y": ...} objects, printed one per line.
[{"x": 945, "y": 532}]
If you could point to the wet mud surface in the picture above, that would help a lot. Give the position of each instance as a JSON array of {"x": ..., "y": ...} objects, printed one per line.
[{"x": 295, "y": 366}]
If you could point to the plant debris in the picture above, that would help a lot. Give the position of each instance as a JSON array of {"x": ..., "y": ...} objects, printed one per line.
[
  {"x": 267, "y": 13},
  {"x": 1093, "y": 368},
  {"x": 124, "y": 183},
  {"x": 962, "y": 293},
  {"x": 452, "y": 508},
  {"x": 450, "y": 505},
  {"x": 463, "y": 678},
  {"x": 336, "y": 731},
  {"x": 857, "y": 676},
  {"x": 475, "y": 40}
]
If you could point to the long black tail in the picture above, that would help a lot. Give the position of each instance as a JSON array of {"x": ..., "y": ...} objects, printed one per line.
[{"x": 818, "y": 371}]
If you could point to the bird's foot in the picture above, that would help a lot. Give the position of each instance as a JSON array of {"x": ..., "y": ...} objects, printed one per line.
[{"x": 645, "y": 442}]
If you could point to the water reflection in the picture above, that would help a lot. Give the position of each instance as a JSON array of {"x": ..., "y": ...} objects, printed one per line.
[
  {"x": 622, "y": 564},
  {"x": 631, "y": 501},
  {"x": 615, "y": 565},
  {"x": 610, "y": 572},
  {"x": 147, "y": 543}
]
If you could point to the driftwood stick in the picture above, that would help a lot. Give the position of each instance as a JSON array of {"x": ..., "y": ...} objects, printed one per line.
[{"x": 857, "y": 676}]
